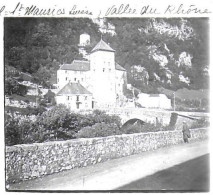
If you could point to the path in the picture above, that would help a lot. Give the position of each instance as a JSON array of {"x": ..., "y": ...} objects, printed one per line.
[
  {"x": 112, "y": 174},
  {"x": 193, "y": 175}
]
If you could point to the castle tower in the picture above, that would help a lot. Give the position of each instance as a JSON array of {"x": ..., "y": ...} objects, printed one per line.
[
  {"x": 102, "y": 68},
  {"x": 83, "y": 42}
]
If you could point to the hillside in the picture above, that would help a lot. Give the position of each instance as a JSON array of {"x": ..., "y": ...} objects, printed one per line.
[{"x": 168, "y": 53}]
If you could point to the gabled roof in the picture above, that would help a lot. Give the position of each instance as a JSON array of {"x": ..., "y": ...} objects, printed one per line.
[
  {"x": 73, "y": 89},
  {"x": 119, "y": 67},
  {"x": 77, "y": 65},
  {"x": 103, "y": 46}
]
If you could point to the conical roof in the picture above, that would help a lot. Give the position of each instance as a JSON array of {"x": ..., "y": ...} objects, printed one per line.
[{"x": 103, "y": 46}]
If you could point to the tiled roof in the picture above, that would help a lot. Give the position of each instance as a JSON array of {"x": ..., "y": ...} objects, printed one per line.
[
  {"x": 101, "y": 45},
  {"x": 119, "y": 67},
  {"x": 73, "y": 88},
  {"x": 77, "y": 65}
]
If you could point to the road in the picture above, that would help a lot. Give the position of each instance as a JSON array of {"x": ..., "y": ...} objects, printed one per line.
[
  {"x": 189, "y": 176},
  {"x": 113, "y": 174}
]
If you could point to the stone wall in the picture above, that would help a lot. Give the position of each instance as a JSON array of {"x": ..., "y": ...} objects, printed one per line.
[{"x": 25, "y": 162}]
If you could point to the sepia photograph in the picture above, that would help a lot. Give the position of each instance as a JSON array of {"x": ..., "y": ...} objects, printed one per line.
[{"x": 107, "y": 104}]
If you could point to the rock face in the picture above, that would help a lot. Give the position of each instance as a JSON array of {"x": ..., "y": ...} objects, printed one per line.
[{"x": 25, "y": 162}]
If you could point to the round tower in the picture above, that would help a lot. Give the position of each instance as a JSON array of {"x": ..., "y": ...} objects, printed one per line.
[{"x": 84, "y": 40}]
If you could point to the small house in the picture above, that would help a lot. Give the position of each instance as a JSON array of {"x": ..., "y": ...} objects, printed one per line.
[
  {"x": 75, "y": 96},
  {"x": 154, "y": 101}
]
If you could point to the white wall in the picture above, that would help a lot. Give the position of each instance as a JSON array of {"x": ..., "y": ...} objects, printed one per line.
[
  {"x": 102, "y": 67},
  {"x": 154, "y": 102},
  {"x": 64, "y": 76},
  {"x": 86, "y": 101}
]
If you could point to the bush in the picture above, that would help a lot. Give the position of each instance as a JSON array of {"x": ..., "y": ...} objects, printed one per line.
[
  {"x": 203, "y": 122},
  {"x": 98, "y": 130},
  {"x": 13, "y": 87},
  {"x": 100, "y": 116},
  {"x": 147, "y": 127},
  {"x": 173, "y": 120},
  {"x": 12, "y": 133},
  {"x": 59, "y": 124}
]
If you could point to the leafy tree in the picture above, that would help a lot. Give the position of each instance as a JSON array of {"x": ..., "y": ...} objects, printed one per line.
[{"x": 11, "y": 86}]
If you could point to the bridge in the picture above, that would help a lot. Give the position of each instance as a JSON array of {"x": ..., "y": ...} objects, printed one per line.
[{"x": 154, "y": 115}]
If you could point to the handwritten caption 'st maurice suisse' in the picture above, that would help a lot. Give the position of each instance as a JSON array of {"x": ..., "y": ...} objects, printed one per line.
[{"x": 114, "y": 10}]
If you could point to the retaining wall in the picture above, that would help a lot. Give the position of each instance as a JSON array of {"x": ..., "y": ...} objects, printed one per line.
[{"x": 30, "y": 161}]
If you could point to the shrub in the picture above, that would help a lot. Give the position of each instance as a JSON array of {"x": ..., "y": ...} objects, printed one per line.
[
  {"x": 12, "y": 133},
  {"x": 100, "y": 116},
  {"x": 59, "y": 124},
  {"x": 147, "y": 127},
  {"x": 203, "y": 122},
  {"x": 98, "y": 130},
  {"x": 173, "y": 119}
]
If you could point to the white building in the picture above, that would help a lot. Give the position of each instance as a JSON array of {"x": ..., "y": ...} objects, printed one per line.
[
  {"x": 75, "y": 96},
  {"x": 154, "y": 101},
  {"x": 100, "y": 75}
]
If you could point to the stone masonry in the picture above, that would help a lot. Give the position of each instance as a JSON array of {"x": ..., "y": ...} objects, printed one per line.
[{"x": 24, "y": 162}]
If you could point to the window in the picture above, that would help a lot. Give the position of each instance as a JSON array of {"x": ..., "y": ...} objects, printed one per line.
[
  {"x": 68, "y": 97},
  {"x": 108, "y": 63},
  {"x": 77, "y": 98},
  {"x": 110, "y": 70},
  {"x": 85, "y": 97},
  {"x": 66, "y": 78},
  {"x": 82, "y": 79},
  {"x": 103, "y": 69},
  {"x": 65, "y": 71},
  {"x": 75, "y": 79}
]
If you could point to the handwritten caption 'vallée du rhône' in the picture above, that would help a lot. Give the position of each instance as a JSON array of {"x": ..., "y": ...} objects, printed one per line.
[{"x": 122, "y": 9}]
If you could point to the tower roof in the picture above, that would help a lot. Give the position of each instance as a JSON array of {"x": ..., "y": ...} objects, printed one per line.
[
  {"x": 73, "y": 89},
  {"x": 119, "y": 67},
  {"x": 102, "y": 46}
]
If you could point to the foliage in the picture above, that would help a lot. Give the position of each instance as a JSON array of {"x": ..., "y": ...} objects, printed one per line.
[
  {"x": 57, "y": 123},
  {"x": 101, "y": 117},
  {"x": 12, "y": 134},
  {"x": 203, "y": 122},
  {"x": 11, "y": 86},
  {"x": 42, "y": 76},
  {"x": 40, "y": 45},
  {"x": 173, "y": 119},
  {"x": 98, "y": 130},
  {"x": 146, "y": 127}
]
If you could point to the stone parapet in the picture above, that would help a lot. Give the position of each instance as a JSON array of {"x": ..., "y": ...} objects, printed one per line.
[{"x": 24, "y": 162}]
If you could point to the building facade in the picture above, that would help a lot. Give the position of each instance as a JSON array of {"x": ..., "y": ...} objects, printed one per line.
[
  {"x": 160, "y": 101},
  {"x": 99, "y": 74}
]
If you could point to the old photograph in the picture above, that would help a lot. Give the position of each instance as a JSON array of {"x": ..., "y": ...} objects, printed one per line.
[{"x": 106, "y": 104}]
